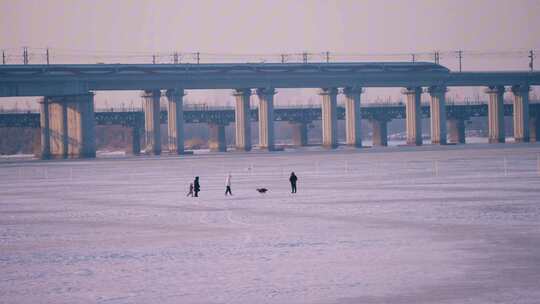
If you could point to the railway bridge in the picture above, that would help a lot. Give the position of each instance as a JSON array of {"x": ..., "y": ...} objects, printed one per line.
[{"x": 67, "y": 119}]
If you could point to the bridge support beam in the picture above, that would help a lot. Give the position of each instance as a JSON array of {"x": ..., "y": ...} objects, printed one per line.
[
  {"x": 58, "y": 129},
  {"x": 496, "y": 114},
  {"x": 175, "y": 120},
  {"x": 534, "y": 125},
  {"x": 329, "y": 117},
  {"x": 266, "y": 118},
  {"x": 437, "y": 108},
  {"x": 217, "y": 141},
  {"x": 242, "y": 119},
  {"x": 44, "y": 121},
  {"x": 152, "y": 130},
  {"x": 299, "y": 133},
  {"x": 353, "y": 116},
  {"x": 135, "y": 140},
  {"x": 521, "y": 113},
  {"x": 413, "y": 115},
  {"x": 81, "y": 126},
  {"x": 456, "y": 130},
  {"x": 380, "y": 132},
  {"x": 68, "y": 126}
]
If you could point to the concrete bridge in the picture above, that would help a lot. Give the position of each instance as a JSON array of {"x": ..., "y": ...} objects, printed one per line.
[
  {"x": 67, "y": 110},
  {"x": 299, "y": 117}
]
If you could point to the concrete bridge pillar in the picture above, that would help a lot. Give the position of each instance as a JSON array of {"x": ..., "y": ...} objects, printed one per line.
[
  {"x": 329, "y": 117},
  {"x": 44, "y": 122},
  {"x": 413, "y": 115},
  {"x": 353, "y": 116},
  {"x": 521, "y": 113},
  {"x": 437, "y": 109},
  {"x": 136, "y": 140},
  {"x": 175, "y": 120},
  {"x": 456, "y": 130},
  {"x": 68, "y": 126},
  {"x": 242, "y": 119},
  {"x": 266, "y": 118},
  {"x": 152, "y": 131},
  {"x": 496, "y": 114},
  {"x": 534, "y": 125},
  {"x": 81, "y": 126},
  {"x": 300, "y": 133},
  {"x": 217, "y": 141},
  {"x": 58, "y": 129},
  {"x": 380, "y": 132}
]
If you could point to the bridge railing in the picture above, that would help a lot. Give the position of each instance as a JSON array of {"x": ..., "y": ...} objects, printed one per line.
[{"x": 18, "y": 111}]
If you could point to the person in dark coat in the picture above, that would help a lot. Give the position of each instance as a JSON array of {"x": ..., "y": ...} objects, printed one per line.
[
  {"x": 293, "y": 180},
  {"x": 196, "y": 186}
]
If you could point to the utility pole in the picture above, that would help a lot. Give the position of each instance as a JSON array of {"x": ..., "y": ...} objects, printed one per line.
[
  {"x": 327, "y": 54},
  {"x": 198, "y": 56},
  {"x": 47, "y": 55},
  {"x": 304, "y": 57},
  {"x": 3, "y": 57},
  {"x": 413, "y": 57},
  {"x": 531, "y": 60},
  {"x": 25, "y": 55},
  {"x": 460, "y": 57}
]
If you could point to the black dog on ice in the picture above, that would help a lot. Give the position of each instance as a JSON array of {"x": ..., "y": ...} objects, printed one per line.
[{"x": 262, "y": 190}]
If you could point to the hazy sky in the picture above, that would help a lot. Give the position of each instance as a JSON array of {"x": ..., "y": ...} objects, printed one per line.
[{"x": 277, "y": 26}]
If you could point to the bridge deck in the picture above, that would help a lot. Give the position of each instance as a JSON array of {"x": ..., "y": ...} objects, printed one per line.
[{"x": 50, "y": 80}]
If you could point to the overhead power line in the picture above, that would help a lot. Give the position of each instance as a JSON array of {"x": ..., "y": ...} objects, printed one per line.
[
  {"x": 63, "y": 55},
  {"x": 460, "y": 57},
  {"x": 25, "y": 55},
  {"x": 531, "y": 60}
]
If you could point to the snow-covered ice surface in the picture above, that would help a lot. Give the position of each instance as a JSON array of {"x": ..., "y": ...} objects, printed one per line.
[{"x": 453, "y": 224}]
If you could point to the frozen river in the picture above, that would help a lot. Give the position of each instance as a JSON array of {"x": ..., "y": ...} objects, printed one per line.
[{"x": 453, "y": 224}]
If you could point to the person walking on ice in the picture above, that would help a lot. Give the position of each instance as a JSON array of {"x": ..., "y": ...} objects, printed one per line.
[
  {"x": 293, "y": 180},
  {"x": 190, "y": 193},
  {"x": 196, "y": 186},
  {"x": 228, "y": 185}
]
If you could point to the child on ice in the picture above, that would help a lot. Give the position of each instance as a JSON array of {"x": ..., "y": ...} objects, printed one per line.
[{"x": 190, "y": 193}]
